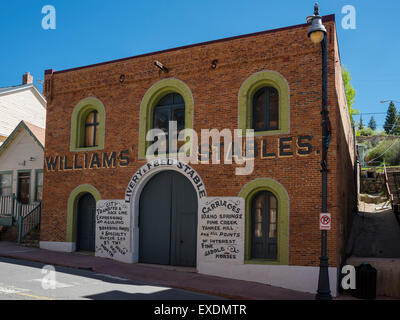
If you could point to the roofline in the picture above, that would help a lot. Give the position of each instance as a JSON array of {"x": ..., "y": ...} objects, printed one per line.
[
  {"x": 25, "y": 87},
  {"x": 326, "y": 18},
  {"x": 9, "y": 139}
]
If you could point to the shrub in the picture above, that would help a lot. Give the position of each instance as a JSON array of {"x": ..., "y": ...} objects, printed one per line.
[
  {"x": 366, "y": 132},
  {"x": 387, "y": 151}
]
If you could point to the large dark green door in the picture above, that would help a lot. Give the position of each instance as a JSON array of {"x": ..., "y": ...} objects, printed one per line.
[
  {"x": 86, "y": 223},
  {"x": 168, "y": 221}
]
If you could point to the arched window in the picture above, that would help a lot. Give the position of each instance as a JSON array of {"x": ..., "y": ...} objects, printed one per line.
[
  {"x": 264, "y": 226},
  {"x": 92, "y": 129},
  {"x": 266, "y": 109},
  {"x": 88, "y": 125},
  {"x": 170, "y": 108},
  {"x": 264, "y": 104}
]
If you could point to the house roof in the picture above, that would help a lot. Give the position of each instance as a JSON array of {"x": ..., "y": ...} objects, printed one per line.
[
  {"x": 37, "y": 133},
  {"x": 29, "y": 86}
]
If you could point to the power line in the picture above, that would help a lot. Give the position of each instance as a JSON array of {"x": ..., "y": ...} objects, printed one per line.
[
  {"x": 368, "y": 113},
  {"x": 373, "y": 160},
  {"x": 397, "y": 140}
]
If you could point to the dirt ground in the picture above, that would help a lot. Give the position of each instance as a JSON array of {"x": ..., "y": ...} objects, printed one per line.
[{"x": 373, "y": 208}]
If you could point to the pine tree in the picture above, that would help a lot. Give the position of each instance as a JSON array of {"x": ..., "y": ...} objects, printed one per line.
[
  {"x": 360, "y": 124},
  {"x": 391, "y": 119},
  {"x": 396, "y": 129},
  {"x": 372, "y": 124}
]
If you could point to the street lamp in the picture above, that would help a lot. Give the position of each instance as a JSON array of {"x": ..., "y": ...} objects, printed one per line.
[
  {"x": 317, "y": 34},
  {"x": 385, "y": 101}
]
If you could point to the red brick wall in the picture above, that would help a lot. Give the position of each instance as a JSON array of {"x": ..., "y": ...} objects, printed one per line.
[
  {"x": 346, "y": 191},
  {"x": 215, "y": 94}
]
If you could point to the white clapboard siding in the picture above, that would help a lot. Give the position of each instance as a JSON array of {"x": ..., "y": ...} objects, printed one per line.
[
  {"x": 17, "y": 156},
  {"x": 21, "y": 105}
]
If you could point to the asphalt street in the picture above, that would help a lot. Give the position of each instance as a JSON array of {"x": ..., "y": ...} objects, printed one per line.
[{"x": 23, "y": 280}]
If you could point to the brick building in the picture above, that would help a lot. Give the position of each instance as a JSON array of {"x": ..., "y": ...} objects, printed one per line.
[{"x": 97, "y": 120}]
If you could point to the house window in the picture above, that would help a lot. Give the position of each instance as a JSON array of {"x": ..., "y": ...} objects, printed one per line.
[
  {"x": 91, "y": 129},
  {"x": 88, "y": 125},
  {"x": 264, "y": 104},
  {"x": 158, "y": 96},
  {"x": 266, "y": 109},
  {"x": 170, "y": 108},
  {"x": 39, "y": 186},
  {"x": 264, "y": 226},
  {"x": 5, "y": 184}
]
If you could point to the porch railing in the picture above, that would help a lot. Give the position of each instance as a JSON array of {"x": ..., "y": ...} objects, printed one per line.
[
  {"x": 7, "y": 205},
  {"x": 28, "y": 222},
  {"x": 10, "y": 207}
]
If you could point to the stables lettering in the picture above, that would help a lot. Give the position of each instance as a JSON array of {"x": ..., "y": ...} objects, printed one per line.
[
  {"x": 282, "y": 147},
  {"x": 85, "y": 161}
]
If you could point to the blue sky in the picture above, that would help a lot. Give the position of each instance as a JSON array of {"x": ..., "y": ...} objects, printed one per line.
[{"x": 92, "y": 31}]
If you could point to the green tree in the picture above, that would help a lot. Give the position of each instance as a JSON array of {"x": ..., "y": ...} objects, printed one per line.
[
  {"x": 391, "y": 124},
  {"x": 372, "y": 123},
  {"x": 360, "y": 124},
  {"x": 350, "y": 93}
]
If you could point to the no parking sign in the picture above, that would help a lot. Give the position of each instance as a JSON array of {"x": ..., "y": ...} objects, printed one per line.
[{"x": 325, "y": 221}]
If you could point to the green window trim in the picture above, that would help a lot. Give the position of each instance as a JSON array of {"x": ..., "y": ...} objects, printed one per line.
[
  {"x": 249, "y": 89},
  {"x": 8, "y": 173},
  {"x": 248, "y": 192},
  {"x": 149, "y": 102},
  {"x": 72, "y": 209},
  {"x": 37, "y": 171},
  {"x": 78, "y": 118}
]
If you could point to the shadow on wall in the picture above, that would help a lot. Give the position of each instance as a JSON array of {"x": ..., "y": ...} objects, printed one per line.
[{"x": 375, "y": 234}]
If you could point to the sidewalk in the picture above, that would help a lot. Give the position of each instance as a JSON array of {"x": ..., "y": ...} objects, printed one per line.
[{"x": 228, "y": 288}]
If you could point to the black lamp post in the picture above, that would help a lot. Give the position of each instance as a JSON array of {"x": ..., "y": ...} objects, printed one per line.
[{"x": 317, "y": 34}]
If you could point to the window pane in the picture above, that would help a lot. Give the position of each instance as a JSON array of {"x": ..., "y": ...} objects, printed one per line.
[
  {"x": 39, "y": 192},
  {"x": 259, "y": 111},
  {"x": 178, "y": 99},
  {"x": 166, "y": 100},
  {"x": 266, "y": 109},
  {"x": 161, "y": 118},
  {"x": 178, "y": 115},
  {"x": 272, "y": 217},
  {"x": 96, "y": 133},
  {"x": 170, "y": 108},
  {"x": 5, "y": 180},
  {"x": 89, "y": 135},
  {"x": 273, "y": 109},
  {"x": 39, "y": 178},
  {"x": 259, "y": 204},
  {"x": 39, "y": 186},
  {"x": 90, "y": 118},
  {"x": 91, "y": 129},
  {"x": 5, "y": 185}
]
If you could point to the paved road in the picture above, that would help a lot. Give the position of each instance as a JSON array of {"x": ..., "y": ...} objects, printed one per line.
[
  {"x": 23, "y": 280},
  {"x": 375, "y": 234}
]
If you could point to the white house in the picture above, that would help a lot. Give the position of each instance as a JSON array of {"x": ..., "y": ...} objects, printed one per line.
[
  {"x": 21, "y": 163},
  {"x": 22, "y": 102}
]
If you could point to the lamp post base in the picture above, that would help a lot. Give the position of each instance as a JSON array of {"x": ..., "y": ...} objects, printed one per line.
[{"x": 324, "y": 291}]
